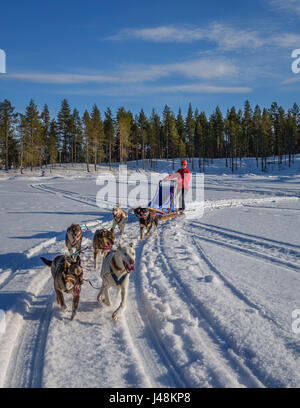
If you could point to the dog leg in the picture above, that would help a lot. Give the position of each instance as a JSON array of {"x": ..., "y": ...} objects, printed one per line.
[
  {"x": 107, "y": 300},
  {"x": 95, "y": 259},
  {"x": 148, "y": 230},
  {"x": 75, "y": 306},
  {"x": 60, "y": 299},
  {"x": 104, "y": 295},
  {"x": 118, "y": 291},
  {"x": 141, "y": 232},
  {"x": 100, "y": 296},
  {"x": 124, "y": 292}
]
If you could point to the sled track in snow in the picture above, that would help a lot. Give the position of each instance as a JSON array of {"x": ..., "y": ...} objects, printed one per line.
[
  {"x": 248, "y": 251},
  {"x": 244, "y": 373},
  {"x": 26, "y": 365},
  {"x": 251, "y": 239},
  {"x": 160, "y": 349},
  {"x": 230, "y": 285},
  {"x": 89, "y": 200}
]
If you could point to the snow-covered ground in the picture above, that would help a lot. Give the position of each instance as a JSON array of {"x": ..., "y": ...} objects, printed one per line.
[{"x": 210, "y": 303}]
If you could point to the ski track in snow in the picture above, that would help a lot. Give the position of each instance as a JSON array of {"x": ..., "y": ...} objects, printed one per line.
[
  {"x": 172, "y": 337},
  {"x": 265, "y": 252}
]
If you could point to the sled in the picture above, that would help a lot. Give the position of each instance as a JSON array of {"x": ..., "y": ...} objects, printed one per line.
[{"x": 164, "y": 200}]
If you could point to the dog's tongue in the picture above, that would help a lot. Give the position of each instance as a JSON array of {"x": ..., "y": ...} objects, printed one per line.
[
  {"x": 74, "y": 240},
  {"x": 76, "y": 290}
]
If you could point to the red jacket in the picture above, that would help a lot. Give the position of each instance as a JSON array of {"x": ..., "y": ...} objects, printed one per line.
[{"x": 182, "y": 177}]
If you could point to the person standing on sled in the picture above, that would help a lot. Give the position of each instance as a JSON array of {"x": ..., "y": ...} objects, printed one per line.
[{"x": 182, "y": 176}]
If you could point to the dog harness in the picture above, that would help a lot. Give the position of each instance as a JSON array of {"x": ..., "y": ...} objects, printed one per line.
[
  {"x": 117, "y": 280},
  {"x": 108, "y": 248},
  {"x": 119, "y": 218}
]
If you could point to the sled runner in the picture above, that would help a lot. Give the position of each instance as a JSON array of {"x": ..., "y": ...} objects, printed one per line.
[{"x": 164, "y": 200}]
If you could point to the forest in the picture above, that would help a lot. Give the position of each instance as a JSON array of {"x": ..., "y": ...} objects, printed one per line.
[{"x": 35, "y": 139}]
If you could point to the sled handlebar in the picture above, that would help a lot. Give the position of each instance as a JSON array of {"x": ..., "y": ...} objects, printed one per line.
[{"x": 171, "y": 181}]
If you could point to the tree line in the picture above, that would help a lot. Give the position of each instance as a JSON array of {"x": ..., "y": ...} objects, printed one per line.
[{"x": 33, "y": 138}]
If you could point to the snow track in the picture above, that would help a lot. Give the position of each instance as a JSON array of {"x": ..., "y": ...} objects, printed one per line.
[
  {"x": 201, "y": 309},
  {"x": 253, "y": 248},
  {"x": 223, "y": 366}
]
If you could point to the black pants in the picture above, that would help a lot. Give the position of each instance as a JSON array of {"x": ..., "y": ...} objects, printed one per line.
[{"x": 180, "y": 198}]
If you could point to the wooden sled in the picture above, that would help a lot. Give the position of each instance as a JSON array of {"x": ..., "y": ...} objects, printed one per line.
[{"x": 166, "y": 216}]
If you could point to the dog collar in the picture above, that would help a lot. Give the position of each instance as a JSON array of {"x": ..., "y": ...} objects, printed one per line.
[{"x": 108, "y": 248}]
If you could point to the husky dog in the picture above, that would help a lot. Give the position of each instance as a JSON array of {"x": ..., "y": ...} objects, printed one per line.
[
  {"x": 103, "y": 242},
  {"x": 68, "y": 278},
  {"x": 147, "y": 219},
  {"x": 120, "y": 218},
  {"x": 115, "y": 272},
  {"x": 74, "y": 238}
]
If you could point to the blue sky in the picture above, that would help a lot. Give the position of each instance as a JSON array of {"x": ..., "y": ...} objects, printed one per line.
[{"x": 145, "y": 54}]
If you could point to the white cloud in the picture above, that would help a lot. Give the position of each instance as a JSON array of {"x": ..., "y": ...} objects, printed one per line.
[
  {"x": 292, "y": 6},
  {"x": 287, "y": 40},
  {"x": 294, "y": 80},
  {"x": 203, "y": 68},
  {"x": 201, "y": 88},
  {"x": 137, "y": 90},
  {"x": 61, "y": 78},
  {"x": 225, "y": 37}
]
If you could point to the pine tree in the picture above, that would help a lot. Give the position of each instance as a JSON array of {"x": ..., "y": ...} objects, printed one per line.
[
  {"x": 97, "y": 135},
  {"x": 76, "y": 137},
  {"x": 257, "y": 119},
  {"x": 232, "y": 129},
  {"x": 248, "y": 130},
  {"x": 7, "y": 122},
  {"x": 45, "y": 133},
  {"x": 190, "y": 131},
  {"x": 181, "y": 134},
  {"x": 204, "y": 140},
  {"x": 142, "y": 125},
  {"x": 266, "y": 131},
  {"x": 174, "y": 141},
  {"x": 216, "y": 133},
  {"x": 64, "y": 122},
  {"x": 87, "y": 137},
  {"x": 109, "y": 134},
  {"x": 53, "y": 143},
  {"x": 33, "y": 140},
  {"x": 155, "y": 135},
  {"x": 124, "y": 125},
  {"x": 166, "y": 131}
]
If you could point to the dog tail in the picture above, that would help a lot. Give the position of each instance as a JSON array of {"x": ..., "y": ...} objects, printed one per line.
[{"x": 48, "y": 263}]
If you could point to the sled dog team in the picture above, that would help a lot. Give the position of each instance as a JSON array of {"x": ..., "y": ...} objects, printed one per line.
[{"x": 117, "y": 264}]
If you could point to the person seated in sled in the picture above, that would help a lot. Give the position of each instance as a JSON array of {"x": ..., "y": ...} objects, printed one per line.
[{"x": 182, "y": 176}]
